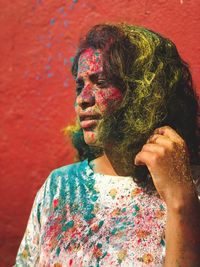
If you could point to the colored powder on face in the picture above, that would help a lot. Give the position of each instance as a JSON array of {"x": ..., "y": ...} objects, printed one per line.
[{"x": 90, "y": 60}]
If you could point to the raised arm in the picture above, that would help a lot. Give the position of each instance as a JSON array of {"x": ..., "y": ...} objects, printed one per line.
[{"x": 165, "y": 155}]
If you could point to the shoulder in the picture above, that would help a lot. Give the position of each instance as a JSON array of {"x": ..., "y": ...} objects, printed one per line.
[
  {"x": 63, "y": 179},
  {"x": 70, "y": 170},
  {"x": 74, "y": 167},
  {"x": 61, "y": 184}
]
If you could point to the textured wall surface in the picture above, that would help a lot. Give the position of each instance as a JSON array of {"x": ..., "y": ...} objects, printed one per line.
[{"x": 38, "y": 41}]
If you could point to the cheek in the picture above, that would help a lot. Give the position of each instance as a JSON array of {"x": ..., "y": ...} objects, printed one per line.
[{"x": 107, "y": 100}]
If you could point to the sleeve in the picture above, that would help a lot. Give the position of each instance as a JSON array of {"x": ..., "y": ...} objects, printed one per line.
[{"x": 28, "y": 253}]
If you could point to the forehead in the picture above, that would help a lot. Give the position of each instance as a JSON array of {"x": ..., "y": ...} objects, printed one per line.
[{"x": 90, "y": 61}]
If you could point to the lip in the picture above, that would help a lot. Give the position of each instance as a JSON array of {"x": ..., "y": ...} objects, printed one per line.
[
  {"x": 89, "y": 120},
  {"x": 88, "y": 124}
]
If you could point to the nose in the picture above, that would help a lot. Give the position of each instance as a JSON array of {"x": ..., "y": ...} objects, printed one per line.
[{"x": 86, "y": 98}]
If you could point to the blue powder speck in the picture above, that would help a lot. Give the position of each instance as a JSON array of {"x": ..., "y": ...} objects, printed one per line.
[
  {"x": 65, "y": 61},
  {"x": 71, "y": 59},
  {"x": 52, "y": 21},
  {"x": 50, "y": 74},
  {"x": 61, "y": 10},
  {"x": 49, "y": 45}
]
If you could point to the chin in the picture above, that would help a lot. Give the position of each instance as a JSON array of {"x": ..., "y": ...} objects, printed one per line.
[{"x": 90, "y": 138}]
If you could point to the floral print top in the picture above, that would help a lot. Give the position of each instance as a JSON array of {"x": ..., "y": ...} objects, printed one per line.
[{"x": 82, "y": 218}]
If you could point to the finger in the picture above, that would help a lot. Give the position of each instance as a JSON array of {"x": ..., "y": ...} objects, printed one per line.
[
  {"x": 154, "y": 148},
  {"x": 169, "y": 132},
  {"x": 143, "y": 158},
  {"x": 158, "y": 139}
]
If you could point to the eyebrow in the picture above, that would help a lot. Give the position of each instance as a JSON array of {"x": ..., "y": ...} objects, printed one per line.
[{"x": 92, "y": 76}]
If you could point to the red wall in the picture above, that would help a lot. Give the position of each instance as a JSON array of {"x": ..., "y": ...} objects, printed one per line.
[{"x": 38, "y": 41}]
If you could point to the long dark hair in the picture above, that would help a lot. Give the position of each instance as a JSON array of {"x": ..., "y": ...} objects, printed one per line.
[{"x": 157, "y": 87}]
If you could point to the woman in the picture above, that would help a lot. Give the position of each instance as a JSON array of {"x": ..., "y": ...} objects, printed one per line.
[{"x": 131, "y": 200}]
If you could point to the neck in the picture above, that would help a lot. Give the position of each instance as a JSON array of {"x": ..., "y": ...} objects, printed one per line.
[
  {"x": 103, "y": 165},
  {"x": 110, "y": 164}
]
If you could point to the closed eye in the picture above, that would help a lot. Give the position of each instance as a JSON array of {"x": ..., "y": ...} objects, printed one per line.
[
  {"x": 95, "y": 78},
  {"x": 102, "y": 83},
  {"x": 99, "y": 80}
]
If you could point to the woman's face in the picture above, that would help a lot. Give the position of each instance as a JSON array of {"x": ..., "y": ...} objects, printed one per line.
[{"x": 95, "y": 96}]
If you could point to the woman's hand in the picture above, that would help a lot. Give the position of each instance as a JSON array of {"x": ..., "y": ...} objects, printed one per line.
[{"x": 166, "y": 156}]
